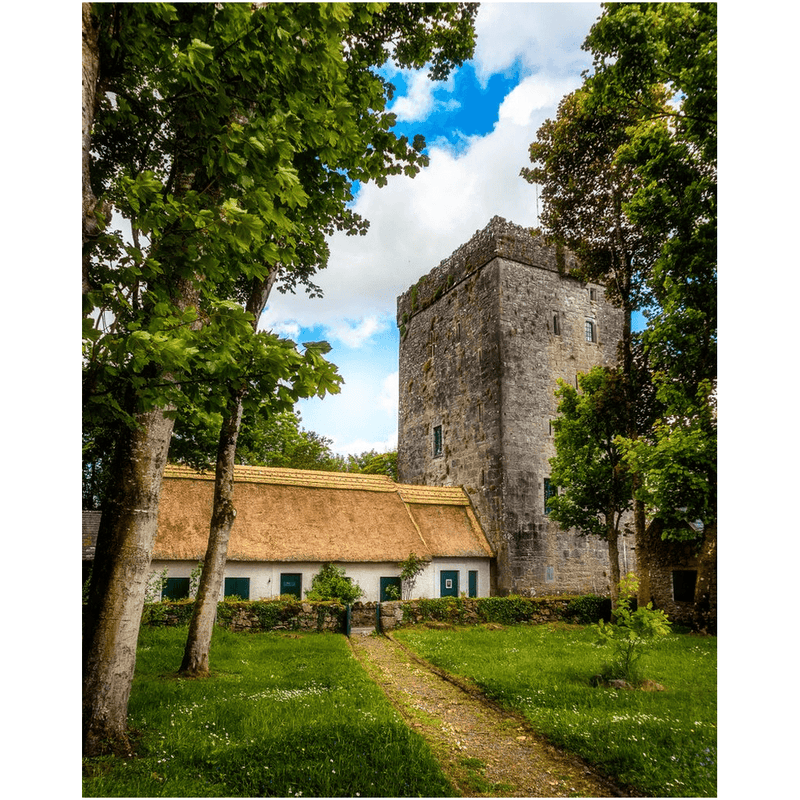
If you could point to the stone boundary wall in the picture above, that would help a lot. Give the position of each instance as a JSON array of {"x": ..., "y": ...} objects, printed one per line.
[{"x": 261, "y": 615}]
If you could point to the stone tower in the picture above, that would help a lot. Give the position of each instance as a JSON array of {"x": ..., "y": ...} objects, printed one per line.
[{"x": 483, "y": 339}]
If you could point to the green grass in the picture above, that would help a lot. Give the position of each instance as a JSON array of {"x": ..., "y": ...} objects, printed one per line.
[
  {"x": 280, "y": 717},
  {"x": 660, "y": 743}
]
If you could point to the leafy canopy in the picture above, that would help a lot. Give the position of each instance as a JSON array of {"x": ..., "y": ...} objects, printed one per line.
[{"x": 226, "y": 144}]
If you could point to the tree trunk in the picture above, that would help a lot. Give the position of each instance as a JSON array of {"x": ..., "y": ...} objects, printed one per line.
[
  {"x": 91, "y": 68},
  {"x": 612, "y": 538},
  {"x": 644, "y": 595},
  {"x": 201, "y": 627},
  {"x": 119, "y": 578},
  {"x": 198, "y": 642},
  {"x": 705, "y": 611}
]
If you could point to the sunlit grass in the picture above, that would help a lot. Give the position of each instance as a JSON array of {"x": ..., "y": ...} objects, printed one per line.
[
  {"x": 661, "y": 743},
  {"x": 280, "y": 717}
]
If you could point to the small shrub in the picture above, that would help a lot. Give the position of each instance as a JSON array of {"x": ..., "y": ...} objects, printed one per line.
[
  {"x": 409, "y": 572},
  {"x": 509, "y": 610},
  {"x": 331, "y": 583},
  {"x": 630, "y": 632},
  {"x": 393, "y": 592}
]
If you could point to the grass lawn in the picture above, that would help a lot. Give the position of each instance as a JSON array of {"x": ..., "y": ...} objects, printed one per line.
[
  {"x": 280, "y": 717},
  {"x": 662, "y": 743}
]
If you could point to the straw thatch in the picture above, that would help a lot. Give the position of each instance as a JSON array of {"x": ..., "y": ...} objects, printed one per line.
[{"x": 302, "y": 515}]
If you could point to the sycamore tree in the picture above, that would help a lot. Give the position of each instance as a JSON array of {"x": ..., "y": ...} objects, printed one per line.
[
  {"x": 220, "y": 143},
  {"x": 593, "y": 486},
  {"x": 629, "y": 176}
]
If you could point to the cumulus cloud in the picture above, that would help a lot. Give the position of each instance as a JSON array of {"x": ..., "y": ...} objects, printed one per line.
[
  {"x": 532, "y": 38},
  {"x": 420, "y": 99},
  {"x": 355, "y": 335},
  {"x": 389, "y": 399}
]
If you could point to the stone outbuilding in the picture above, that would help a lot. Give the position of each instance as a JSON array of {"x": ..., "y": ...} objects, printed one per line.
[{"x": 289, "y": 522}]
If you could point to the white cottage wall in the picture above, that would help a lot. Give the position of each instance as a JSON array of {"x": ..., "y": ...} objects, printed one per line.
[{"x": 265, "y": 577}]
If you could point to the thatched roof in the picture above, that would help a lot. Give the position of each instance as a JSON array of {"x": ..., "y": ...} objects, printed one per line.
[{"x": 303, "y": 515}]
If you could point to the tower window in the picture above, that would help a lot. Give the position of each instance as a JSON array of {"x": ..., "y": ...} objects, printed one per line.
[
  {"x": 437, "y": 441},
  {"x": 556, "y": 325},
  {"x": 593, "y": 295},
  {"x": 549, "y": 491},
  {"x": 591, "y": 331}
]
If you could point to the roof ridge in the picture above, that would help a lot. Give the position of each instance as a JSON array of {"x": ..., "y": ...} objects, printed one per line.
[{"x": 291, "y": 477}]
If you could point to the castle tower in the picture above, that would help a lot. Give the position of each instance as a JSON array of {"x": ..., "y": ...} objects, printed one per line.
[{"x": 483, "y": 339}]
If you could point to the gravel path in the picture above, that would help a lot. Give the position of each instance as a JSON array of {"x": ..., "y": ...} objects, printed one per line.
[{"x": 486, "y": 752}]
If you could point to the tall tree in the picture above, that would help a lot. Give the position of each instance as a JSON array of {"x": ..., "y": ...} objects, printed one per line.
[
  {"x": 220, "y": 131},
  {"x": 196, "y": 655},
  {"x": 593, "y": 487},
  {"x": 585, "y": 190},
  {"x": 629, "y": 175},
  {"x": 675, "y": 154}
]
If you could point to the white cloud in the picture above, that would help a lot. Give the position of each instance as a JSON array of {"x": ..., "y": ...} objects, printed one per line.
[
  {"x": 286, "y": 328},
  {"x": 420, "y": 100},
  {"x": 389, "y": 398},
  {"x": 533, "y": 37},
  {"x": 355, "y": 335}
]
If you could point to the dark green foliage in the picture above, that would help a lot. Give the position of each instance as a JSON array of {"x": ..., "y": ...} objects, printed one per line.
[
  {"x": 589, "y": 608},
  {"x": 331, "y": 583},
  {"x": 167, "y": 612}
]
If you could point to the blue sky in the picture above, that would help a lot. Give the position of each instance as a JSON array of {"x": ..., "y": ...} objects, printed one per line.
[{"x": 478, "y": 125}]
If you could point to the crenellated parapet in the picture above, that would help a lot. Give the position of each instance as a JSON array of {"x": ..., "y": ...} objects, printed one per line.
[{"x": 499, "y": 239}]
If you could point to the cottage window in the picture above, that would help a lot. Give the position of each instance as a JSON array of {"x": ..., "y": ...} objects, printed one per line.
[
  {"x": 683, "y": 583},
  {"x": 391, "y": 589},
  {"x": 437, "y": 441},
  {"x": 591, "y": 331},
  {"x": 292, "y": 583},
  {"x": 237, "y": 587},
  {"x": 175, "y": 589}
]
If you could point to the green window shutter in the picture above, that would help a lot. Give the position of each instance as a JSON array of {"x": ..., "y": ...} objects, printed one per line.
[
  {"x": 292, "y": 583},
  {"x": 237, "y": 587},
  {"x": 473, "y": 583},
  {"x": 175, "y": 589}
]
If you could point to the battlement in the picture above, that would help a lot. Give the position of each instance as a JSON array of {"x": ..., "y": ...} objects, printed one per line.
[{"x": 499, "y": 239}]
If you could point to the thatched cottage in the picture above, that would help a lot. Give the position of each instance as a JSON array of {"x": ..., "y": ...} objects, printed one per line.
[{"x": 289, "y": 522}]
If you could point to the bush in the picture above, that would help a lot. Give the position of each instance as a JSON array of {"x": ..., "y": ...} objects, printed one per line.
[
  {"x": 589, "y": 609},
  {"x": 330, "y": 583},
  {"x": 630, "y": 632}
]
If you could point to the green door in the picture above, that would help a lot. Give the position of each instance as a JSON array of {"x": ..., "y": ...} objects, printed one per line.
[
  {"x": 237, "y": 587},
  {"x": 473, "y": 583},
  {"x": 385, "y": 584},
  {"x": 292, "y": 583},
  {"x": 448, "y": 582}
]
